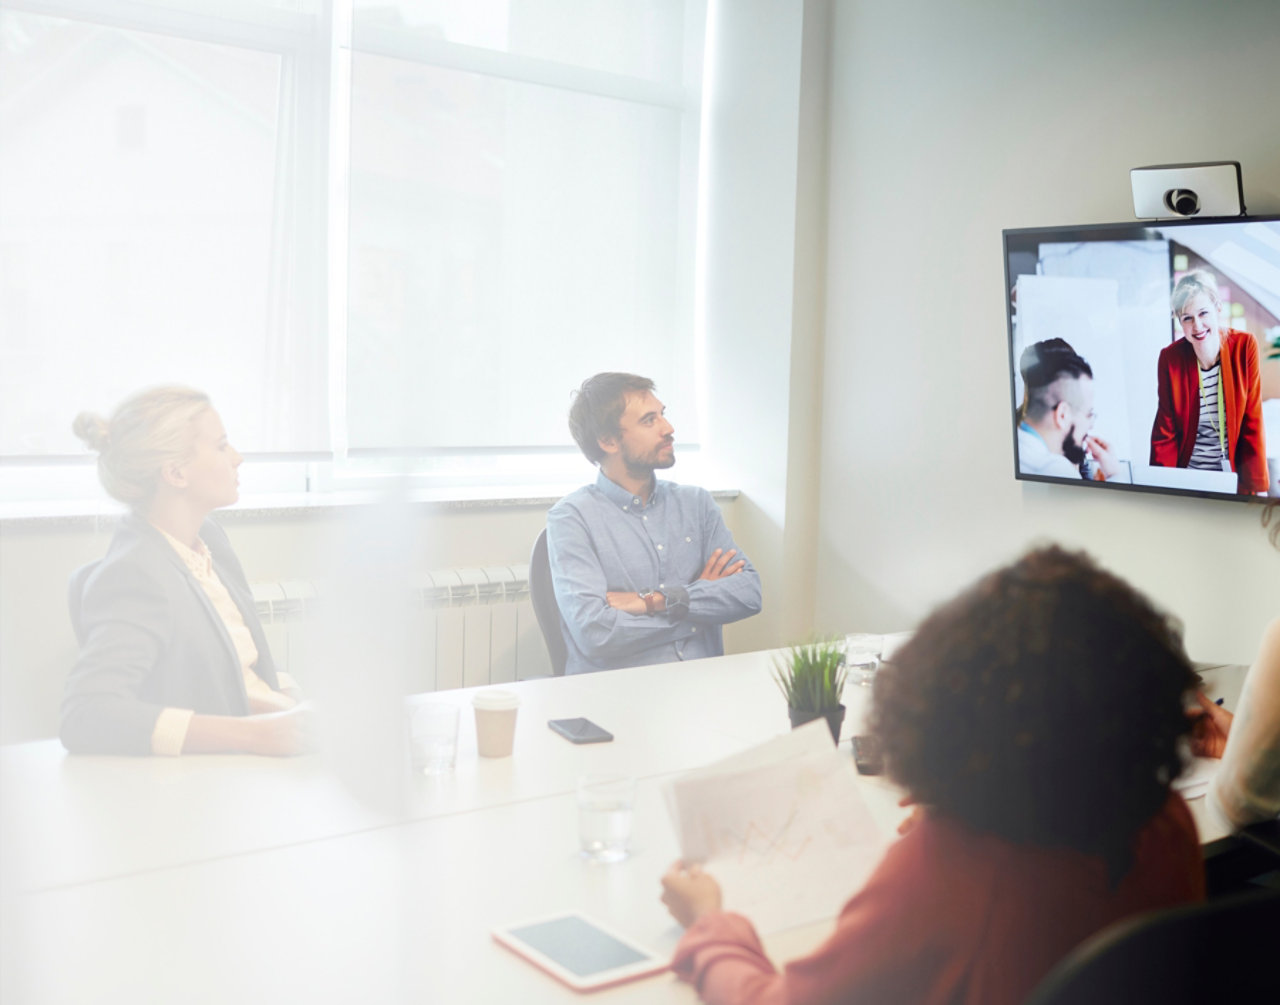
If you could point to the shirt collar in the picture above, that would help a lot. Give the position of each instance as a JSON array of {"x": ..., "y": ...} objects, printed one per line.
[
  {"x": 1028, "y": 429},
  {"x": 619, "y": 496},
  {"x": 198, "y": 560}
]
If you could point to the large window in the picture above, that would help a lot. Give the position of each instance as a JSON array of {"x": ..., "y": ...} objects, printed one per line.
[{"x": 365, "y": 228}]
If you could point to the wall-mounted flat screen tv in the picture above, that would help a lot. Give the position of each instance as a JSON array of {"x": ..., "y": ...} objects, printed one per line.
[{"x": 1146, "y": 356}]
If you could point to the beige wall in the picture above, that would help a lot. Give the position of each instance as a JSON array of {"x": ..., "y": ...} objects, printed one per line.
[
  {"x": 760, "y": 311},
  {"x": 950, "y": 122}
]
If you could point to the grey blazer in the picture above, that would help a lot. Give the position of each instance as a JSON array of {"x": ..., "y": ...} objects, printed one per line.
[{"x": 151, "y": 639}]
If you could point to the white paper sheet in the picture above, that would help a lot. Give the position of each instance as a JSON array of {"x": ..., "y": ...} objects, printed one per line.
[
  {"x": 1196, "y": 775},
  {"x": 782, "y": 827}
]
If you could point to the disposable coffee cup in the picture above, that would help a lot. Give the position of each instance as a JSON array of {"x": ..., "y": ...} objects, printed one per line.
[{"x": 495, "y": 722}]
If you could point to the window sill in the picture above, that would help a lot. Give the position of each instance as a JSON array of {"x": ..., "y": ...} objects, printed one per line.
[{"x": 102, "y": 513}]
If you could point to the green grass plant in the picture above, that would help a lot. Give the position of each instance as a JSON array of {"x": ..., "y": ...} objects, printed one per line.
[{"x": 811, "y": 676}]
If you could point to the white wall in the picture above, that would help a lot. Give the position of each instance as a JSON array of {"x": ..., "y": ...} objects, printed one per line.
[
  {"x": 761, "y": 303},
  {"x": 950, "y": 122}
]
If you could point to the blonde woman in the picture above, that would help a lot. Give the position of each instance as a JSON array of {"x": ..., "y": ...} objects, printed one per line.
[
  {"x": 173, "y": 659},
  {"x": 1209, "y": 411}
]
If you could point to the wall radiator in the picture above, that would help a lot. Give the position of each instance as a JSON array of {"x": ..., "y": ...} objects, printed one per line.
[{"x": 478, "y": 626}]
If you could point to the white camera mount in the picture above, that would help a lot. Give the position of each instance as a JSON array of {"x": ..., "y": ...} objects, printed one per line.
[{"x": 1182, "y": 191}]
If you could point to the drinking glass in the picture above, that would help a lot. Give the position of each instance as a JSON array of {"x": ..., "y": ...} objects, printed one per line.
[
  {"x": 435, "y": 737},
  {"x": 862, "y": 657},
  {"x": 604, "y": 816}
]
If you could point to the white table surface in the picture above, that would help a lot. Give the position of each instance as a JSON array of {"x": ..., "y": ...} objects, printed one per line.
[{"x": 239, "y": 879}]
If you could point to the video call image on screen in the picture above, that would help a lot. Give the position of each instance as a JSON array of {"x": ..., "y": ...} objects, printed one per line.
[{"x": 1148, "y": 355}]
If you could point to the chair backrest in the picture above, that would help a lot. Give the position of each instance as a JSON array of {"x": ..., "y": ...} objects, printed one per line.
[
  {"x": 1264, "y": 836},
  {"x": 1243, "y": 861},
  {"x": 542, "y": 593},
  {"x": 75, "y": 594},
  {"x": 1224, "y": 951}
]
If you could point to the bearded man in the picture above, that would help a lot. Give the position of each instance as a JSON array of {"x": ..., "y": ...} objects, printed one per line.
[
  {"x": 645, "y": 570},
  {"x": 1056, "y": 419}
]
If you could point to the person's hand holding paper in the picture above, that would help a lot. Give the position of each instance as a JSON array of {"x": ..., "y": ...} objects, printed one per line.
[{"x": 774, "y": 823}]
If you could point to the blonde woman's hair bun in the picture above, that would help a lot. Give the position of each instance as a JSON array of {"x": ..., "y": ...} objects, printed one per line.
[
  {"x": 147, "y": 431},
  {"x": 94, "y": 430}
]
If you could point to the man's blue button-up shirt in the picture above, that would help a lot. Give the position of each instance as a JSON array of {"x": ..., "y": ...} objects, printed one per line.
[{"x": 601, "y": 538}]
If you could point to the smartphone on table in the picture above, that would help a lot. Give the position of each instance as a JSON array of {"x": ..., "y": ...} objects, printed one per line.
[
  {"x": 866, "y": 755},
  {"x": 580, "y": 730}
]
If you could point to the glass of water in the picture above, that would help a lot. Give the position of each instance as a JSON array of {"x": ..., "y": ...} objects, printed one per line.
[
  {"x": 862, "y": 657},
  {"x": 435, "y": 737},
  {"x": 604, "y": 816}
]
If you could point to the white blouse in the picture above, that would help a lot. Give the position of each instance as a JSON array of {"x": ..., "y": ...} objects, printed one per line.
[
  {"x": 1246, "y": 788},
  {"x": 170, "y": 731}
]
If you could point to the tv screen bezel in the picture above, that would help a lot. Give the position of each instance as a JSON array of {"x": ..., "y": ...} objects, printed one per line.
[{"x": 1136, "y": 230}]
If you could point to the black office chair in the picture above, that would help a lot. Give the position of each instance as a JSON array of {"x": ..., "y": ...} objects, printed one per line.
[
  {"x": 1243, "y": 861},
  {"x": 545, "y": 608},
  {"x": 1265, "y": 837},
  {"x": 1222, "y": 951},
  {"x": 75, "y": 596}
]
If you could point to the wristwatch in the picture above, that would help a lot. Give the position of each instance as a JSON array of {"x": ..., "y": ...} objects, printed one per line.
[
  {"x": 677, "y": 598},
  {"x": 650, "y": 601}
]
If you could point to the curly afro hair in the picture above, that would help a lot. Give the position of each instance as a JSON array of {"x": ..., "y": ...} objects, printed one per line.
[{"x": 1043, "y": 704}]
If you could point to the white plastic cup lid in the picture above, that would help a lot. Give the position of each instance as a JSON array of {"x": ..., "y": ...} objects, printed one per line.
[{"x": 496, "y": 700}]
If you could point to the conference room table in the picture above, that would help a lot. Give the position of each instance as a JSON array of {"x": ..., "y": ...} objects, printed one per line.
[{"x": 344, "y": 876}]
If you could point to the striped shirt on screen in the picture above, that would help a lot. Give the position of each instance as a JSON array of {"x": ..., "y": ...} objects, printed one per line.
[{"x": 1207, "y": 453}]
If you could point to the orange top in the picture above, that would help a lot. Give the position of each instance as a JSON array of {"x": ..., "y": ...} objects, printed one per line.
[
  {"x": 1173, "y": 435},
  {"x": 952, "y": 916}
]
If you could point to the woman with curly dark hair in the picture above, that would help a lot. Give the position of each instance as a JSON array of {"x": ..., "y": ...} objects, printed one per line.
[
  {"x": 1037, "y": 717},
  {"x": 1246, "y": 788}
]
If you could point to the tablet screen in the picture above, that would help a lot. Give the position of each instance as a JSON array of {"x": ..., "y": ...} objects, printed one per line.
[{"x": 577, "y": 945}]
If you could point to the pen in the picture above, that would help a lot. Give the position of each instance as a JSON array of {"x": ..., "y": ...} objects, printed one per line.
[{"x": 1218, "y": 702}]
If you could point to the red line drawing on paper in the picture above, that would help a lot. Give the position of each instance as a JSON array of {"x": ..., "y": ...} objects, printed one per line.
[{"x": 755, "y": 843}]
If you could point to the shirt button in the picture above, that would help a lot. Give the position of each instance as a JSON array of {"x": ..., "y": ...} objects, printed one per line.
[
  {"x": 687, "y": 540},
  {"x": 694, "y": 628},
  {"x": 636, "y": 502},
  {"x": 644, "y": 518},
  {"x": 626, "y": 509},
  {"x": 659, "y": 547}
]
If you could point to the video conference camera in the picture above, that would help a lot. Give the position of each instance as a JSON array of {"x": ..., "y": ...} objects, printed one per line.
[{"x": 1179, "y": 191}]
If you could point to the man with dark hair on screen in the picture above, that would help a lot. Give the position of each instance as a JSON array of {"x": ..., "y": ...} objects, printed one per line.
[
  {"x": 645, "y": 571},
  {"x": 1057, "y": 415}
]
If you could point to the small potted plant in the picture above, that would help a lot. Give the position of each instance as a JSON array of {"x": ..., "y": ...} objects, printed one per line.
[{"x": 811, "y": 678}]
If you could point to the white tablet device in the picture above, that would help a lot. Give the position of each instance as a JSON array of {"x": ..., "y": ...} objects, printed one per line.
[{"x": 579, "y": 951}]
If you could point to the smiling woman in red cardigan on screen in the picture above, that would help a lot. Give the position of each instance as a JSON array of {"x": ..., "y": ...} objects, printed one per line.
[{"x": 1209, "y": 415}]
